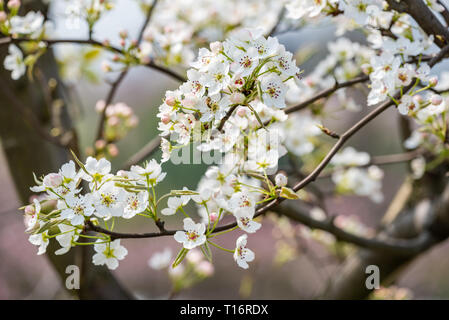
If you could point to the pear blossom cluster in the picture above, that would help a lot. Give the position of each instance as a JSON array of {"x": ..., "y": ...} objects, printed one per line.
[
  {"x": 389, "y": 59},
  {"x": 235, "y": 86},
  {"x": 108, "y": 197},
  {"x": 88, "y": 11},
  {"x": 120, "y": 119},
  {"x": 69, "y": 209},
  {"x": 351, "y": 177},
  {"x": 32, "y": 25},
  {"x": 232, "y": 105}
]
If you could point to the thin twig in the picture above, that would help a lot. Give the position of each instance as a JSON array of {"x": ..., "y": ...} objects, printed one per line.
[
  {"x": 325, "y": 93},
  {"x": 122, "y": 76}
]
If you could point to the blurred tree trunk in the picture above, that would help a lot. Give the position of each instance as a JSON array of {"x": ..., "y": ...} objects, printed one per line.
[
  {"x": 425, "y": 209},
  {"x": 27, "y": 152}
]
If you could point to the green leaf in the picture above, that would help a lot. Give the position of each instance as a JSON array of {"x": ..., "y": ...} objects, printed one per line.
[
  {"x": 183, "y": 192},
  {"x": 181, "y": 255},
  {"x": 288, "y": 193},
  {"x": 79, "y": 162},
  {"x": 52, "y": 214},
  {"x": 48, "y": 226}
]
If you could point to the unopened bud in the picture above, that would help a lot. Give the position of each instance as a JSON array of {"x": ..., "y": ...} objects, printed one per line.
[
  {"x": 205, "y": 268},
  {"x": 165, "y": 119},
  {"x": 3, "y": 16},
  {"x": 123, "y": 34},
  {"x": 113, "y": 121},
  {"x": 213, "y": 217},
  {"x": 436, "y": 100},
  {"x": 281, "y": 180},
  {"x": 237, "y": 97},
  {"x": 241, "y": 112},
  {"x": 100, "y": 144},
  {"x": 433, "y": 81},
  {"x": 170, "y": 101},
  {"x": 194, "y": 256},
  {"x": 13, "y": 4},
  {"x": 113, "y": 150}
]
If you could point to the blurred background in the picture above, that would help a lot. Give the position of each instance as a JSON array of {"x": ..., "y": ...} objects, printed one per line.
[{"x": 24, "y": 275}]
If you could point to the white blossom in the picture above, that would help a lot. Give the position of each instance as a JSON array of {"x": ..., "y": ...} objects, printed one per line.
[
  {"x": 243, "y": 255},
  {"x": 109, "y": 254}
]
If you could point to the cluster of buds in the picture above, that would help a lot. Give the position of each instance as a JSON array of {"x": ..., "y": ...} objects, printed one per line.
[{"x": 120, "y": 119}]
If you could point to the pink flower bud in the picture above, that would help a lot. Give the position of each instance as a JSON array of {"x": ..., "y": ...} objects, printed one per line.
[
  {"x": 165, "y": 119},
  {"x": 205, "y": 268},
  {"x": 90, "y": 151},
  {"x": 281, "y": 180},
  {"x": 106, "y": 42},
  {"x": 309, "y": 82},
  {"x": 418, "y": 98},
  {"x": 13, "y": 4},
  {"x": 216, "y": 47},
  {"x": 3, "y": 16},
  {"x": 113, "y": 150},
  {"x": 241, "y": 112},
  {"x": 113, "y": 121},
  {"x": 122, "y": 42},
  {"x": 433, "y": 81},
  {"x": 436, "y": 100},
  {"x": 123, "y": 34},
  {"x": 213, "y": 217},
  {"x": 100, "y": 144},
  {"x": 237, "y": 97},
  {"x": 170, "y": 101},
  {"x": 194, "y": 256},
  {"x": 53, "y": 180},
  {"x": 116, "y": 58},
  {"x": 99, "y": 106}
]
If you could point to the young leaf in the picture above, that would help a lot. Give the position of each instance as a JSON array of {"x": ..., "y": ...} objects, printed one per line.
[
  {"x": 288, "y": 193},
  {"x": 181, "y": 255}
]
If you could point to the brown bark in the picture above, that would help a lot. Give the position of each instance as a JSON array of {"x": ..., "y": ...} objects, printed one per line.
[{"x": 28, "y": 152}]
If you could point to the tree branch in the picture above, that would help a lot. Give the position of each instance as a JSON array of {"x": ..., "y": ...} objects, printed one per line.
[
  {"x": 421, "y": 13},
  {"x": 397, "y": 246},
  {"x": 121, "y": 77},
  {"x": 92, "y": 42},
  {"x": 325, "y": 93}
]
